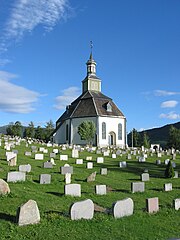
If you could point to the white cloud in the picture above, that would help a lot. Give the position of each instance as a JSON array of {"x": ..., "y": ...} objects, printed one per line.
[
  {"x": 171, "y": 115},
  {"x": 169, "y": 104},
  {"x": 164, "y": 93},
  {"x": 13, "y": 98},
  {"x": 68, "y": 96},
  {"x": 25, "y": 15}
]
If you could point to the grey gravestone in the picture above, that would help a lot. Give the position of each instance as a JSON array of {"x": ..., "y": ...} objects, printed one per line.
[
  {"x": 145, "y": 177},
  {"x": 89, "y": 165},
  {"x": 100, "y": 160},
  {"x": 12, "y": 162},
  {"x": 4, "y": 187},
  {"x": 176, "y": 203},
  {"x": 45, "y": 179},
  {"x": 166, "y": 161},
  {"x": 176, "y": 174},
  {"x": 39, "y": 156},
  {"x": 158, "y": 162},
  {"x": 63, "y": 157},
  {"x": 103, "y": 171},
  {"x": 123, "y": 208},
  {"x": 79, "y": 161},
  {"x": 48, "y": 165},
  {"x": 173, "y": 164},
  {"x": 152, "y": 205},
  {"x": 82, "y": 210},
  {"x": 75, "y": 153},
  {"x": 73, "y": 190},
  {"x": 16, "y": 176},
  {"x": 123, "y": 164},
  {"x": 52, "y": 155},
  {"x": 15, "y": 151},
  {"x": 28, "y": 213},
  {"x": 100, "y": 189},
  {"x": 92, "y": 177},
  {"x": 25, "y": 168},
  {"x": 137, "y": 187},
  {"x": 65, "y": 170}
]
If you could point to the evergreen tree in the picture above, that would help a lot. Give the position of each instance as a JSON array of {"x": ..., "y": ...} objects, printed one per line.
[
  {"x": 174, "y": 138},
  {"x": 39, "y": 133},
  {"x": 146, "y": 141},
  {"x": 134, "y": 138},
  {"x": 169, "y": 172},
  {"x": 30, "y": 131},
  {"x": 49, "y": 128},
  {"x": 87, "y": 130}
]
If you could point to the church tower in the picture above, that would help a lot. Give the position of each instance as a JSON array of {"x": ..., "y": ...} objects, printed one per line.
[{"x": 91, "y": 81}]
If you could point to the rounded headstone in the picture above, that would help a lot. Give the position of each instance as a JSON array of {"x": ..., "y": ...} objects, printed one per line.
[
  {"x": 82, "y": 210},
  {"x": 123, "y": 208}
]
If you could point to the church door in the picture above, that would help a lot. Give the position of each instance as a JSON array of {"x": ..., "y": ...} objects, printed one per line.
[{"x": 112, "y": 138}]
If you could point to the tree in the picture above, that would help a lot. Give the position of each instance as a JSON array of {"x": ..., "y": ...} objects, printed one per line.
[
  {"x": 174, "y": 138},
  {"x": 87, "y": 130},
  {"x": 49, "y": 128},
  {"x": 15, "y": 129},
  {"x": 30, "y": 131},
  {"x": 146, "y": 141},
  {"x": 39, "y": 133},
  {"x": 169, "y": 172},
  {"x": 134, "y": 138}
]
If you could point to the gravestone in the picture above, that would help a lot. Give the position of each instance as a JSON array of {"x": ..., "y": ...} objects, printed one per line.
[
  {"x": 48, "y": 165},
  {"x": 45, "y": 179},
  {"x": 25, "y": 168},
  {"x": 90, "y": 165},
  {"x": 152, "y": 205},
  {"x": 129, "y": 156},
  {"x": 39, "y": 156},
  {"x": 12, "y": 162},
  {"x": 137, "y": 187},
  {"x": 52, "y": 161},
  {"x": 100, "y": 189},
  {"x": 52, "y": 155},
  {"x": 106, "y": 154},
  {"x": 15, "y": 151},
  {"x": 67, "y": 177},
  {"x": 123, "y": 208},
  {"x": 16, "y": 176},
  {"x": 173, "y": 164},
  {"x": 141, "y": 159},
  {"x": 91, "y": 177},
  {"x": 73, "y": 190},
  {"x": 63, "y": 157},
  {"x": 176, "y": 203},
  {"x": 75, "y": 153},
  {"x": 176, "y": 174},
  {"x": 89, "y": 158},
  {"x": 167, "y": 187},
  {"x": 28, "y": 154},
  {"x": 28, "y": 213},
  {"x": 82, "y": 210},
  {"x": 103, "y": 171},
  {"x": 45, "y": 151},
  {"x": 100, "y": 160},
  {"x": 158, "y": 162},
  {"x": 113, "y": 155},
  {"x": 4, "y": 187},
  {"x": 79, "y": 161},
  {"x": 145, "y": 177},
  {"x": 159, "y": 155},
  {"x": 166, "y": 161},
  {"x": 123, "y": 164},
  {"x": 67, "y": 169},
  {"x": 55, "y": 150}
]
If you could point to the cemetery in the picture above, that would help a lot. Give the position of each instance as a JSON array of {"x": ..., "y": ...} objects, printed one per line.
[{"x": 51, "y": 191}]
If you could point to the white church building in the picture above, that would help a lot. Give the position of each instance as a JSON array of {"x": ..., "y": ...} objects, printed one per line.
[{"x": 94, "y": 106}]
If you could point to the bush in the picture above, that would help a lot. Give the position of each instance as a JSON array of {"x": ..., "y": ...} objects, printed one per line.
[{"x": 169, "y": 172}]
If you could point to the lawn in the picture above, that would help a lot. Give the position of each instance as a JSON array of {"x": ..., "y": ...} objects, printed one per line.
[{"x": 54, "y": 205}]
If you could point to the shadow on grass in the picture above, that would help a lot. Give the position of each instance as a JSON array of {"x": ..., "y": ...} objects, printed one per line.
[
  {"x": 57, "y": 213},
  {"x": 8, "y": 217},
  {"x": 156, "y": 189},
  {"x": 121, "y": 190},
  {"x": 56, "y": 194}
]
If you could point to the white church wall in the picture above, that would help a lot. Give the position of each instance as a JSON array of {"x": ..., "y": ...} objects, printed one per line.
[
  {"x": 75, "y": 122},
  {"x": 111, "y": 126},
  {"x": 60, "y": 135}
]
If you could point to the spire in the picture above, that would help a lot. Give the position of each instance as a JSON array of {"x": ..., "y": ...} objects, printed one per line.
[{"x": 91, "y": 64}]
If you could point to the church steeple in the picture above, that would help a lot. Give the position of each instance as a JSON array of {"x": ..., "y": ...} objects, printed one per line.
[{"x": 91, "y": 82}]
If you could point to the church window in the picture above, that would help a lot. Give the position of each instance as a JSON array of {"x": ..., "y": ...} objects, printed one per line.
[
  {"x": 119, "y": 131},
  {"x": 67, "y": 132},
  {"x": 103, "y": 130},
  {"x": 109, "y": 107}
]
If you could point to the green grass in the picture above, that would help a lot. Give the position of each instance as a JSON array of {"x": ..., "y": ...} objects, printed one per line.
[{"x": 54, "y": 206}]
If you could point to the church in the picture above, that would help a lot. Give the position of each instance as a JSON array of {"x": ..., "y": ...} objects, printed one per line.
[{"x": 92, "y": 105}]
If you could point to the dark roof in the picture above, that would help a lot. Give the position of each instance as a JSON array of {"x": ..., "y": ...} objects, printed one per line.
[{"x": 90, "y": 104}]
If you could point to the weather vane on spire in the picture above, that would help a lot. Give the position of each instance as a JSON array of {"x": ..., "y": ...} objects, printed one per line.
[{"x": 91, "y": 45}]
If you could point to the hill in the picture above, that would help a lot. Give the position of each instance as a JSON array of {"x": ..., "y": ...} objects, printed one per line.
[{"x": 157, "y": 135}]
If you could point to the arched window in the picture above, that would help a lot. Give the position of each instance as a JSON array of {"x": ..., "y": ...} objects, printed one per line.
[
  {"x": 119, "y": 131},
  {"x": 67, "y": 132},
  {"x": 103, "y": 130}
]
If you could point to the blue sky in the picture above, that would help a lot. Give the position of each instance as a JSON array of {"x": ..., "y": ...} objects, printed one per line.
[{"x": 44, "y": 46}]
